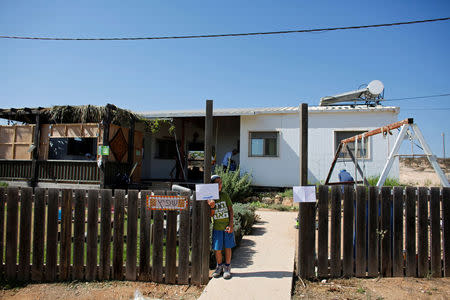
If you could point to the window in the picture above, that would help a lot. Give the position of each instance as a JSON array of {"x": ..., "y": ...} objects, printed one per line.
[
  {"x": 263, "y": 144},
  {"x": 342, "y": 135},
  {"x": 72, "y": 148},
  {"x": 166, "y": 149}
]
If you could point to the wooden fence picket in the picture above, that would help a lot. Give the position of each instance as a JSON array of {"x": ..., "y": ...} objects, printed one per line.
[
  {"x": 196, "y": 277},
  {"x": 184, "y": 245},
  {"x": 335, "y": 249},
  {"x": 158, "y": 238},
  {"x": 410, "y": 234},
  {"x": 66, "y": 234},
  {"x": 435, "y": 230},
  {"x": 446, "y": 229},
  {"x": 322, "y": 257},
  {"x": 37, "y": 269},
  {"x": 78, "y": 237},
  {"x": 105, "y": 235},
  {"x": 2, "y": 228},
  {"x": 119, "y": 217},
  {"x": 422, "y": 233},
  {"x": 12, "y": 226},
  {"x": 360, "y": 234},
  {"x": 385, "y": 233},
  {"x": 372, "y": 237},
  {"x": 52, "y": 235},
  {"x": 171, "y": 246},
  {"x": 26, "y": 202},
  {"x": 397, "y": 233},
  {"x": 92, "y": 236},
  {"x": 132, "y": 219},
  {"x": 145, "y": 236},
  {"x": 348, "y": 229}
]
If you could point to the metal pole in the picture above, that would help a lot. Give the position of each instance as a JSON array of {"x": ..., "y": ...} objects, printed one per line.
[{"x": 206, "y": 219}]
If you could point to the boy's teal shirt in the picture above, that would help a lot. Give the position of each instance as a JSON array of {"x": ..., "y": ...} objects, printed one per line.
[{"x": 222, "y": 214}]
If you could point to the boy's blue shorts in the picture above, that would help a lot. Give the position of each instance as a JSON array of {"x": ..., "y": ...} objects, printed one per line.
[{"x": 220, "y": 238}]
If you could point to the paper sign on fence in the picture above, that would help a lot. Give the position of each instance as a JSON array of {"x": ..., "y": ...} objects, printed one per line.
[
  {"x": 209, "y": 191},
  {"x": 304, "y": 193}
]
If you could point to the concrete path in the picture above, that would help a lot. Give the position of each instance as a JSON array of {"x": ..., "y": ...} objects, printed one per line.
[{"x": 263, "y": 265}]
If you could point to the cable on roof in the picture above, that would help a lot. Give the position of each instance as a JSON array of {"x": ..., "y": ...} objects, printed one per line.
[{"x": 225, "y": 34}]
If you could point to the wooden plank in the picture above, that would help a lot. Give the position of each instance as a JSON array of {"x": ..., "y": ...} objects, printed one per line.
[
  {"x": 132, "y": 217},
  {"x": 196, "y": 276},
  {"x": 372, "y": 238},
  {"x": 348, "y": 260},
  {"x": 119, "y": 218},
  {"x": 26, "y": 202},
  {"x": 171, "y": 246},
  {"x": 144, "y": 248},
  {"x": 66, "y": 232},
  {"x": 397, "y": 231},
  {"x": 410, "y": 231},
  {"x": 422, "y": 233},
  {"x": 335, "y": 241},
  {"x": 307, "y": 239},
  {"x": 385, "y": 234},
  {"x": 2, "y": 227},
  {"x": 184, "y": 245},
  {"x": 446, "y": 229},
  {"x": 78, "y": 237},
  {"x": 92, "y": 236},
  {"x": 52, "y": 235},
  {"x": 322, "y": 263},
  {"x": 105, "y": 235},
  {"x": 37, "y": 269},
  {"x": 157, "y": 244},
  {"x": 435, "y": 212},
  {"x": 360, "y": 238},
  {"x": 12, "y": 226}
]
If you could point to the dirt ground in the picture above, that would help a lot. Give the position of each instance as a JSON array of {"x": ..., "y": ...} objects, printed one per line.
[
  {"x": 378, "y": 288},
  {"x": 419, "y": 172},
  {"x": 102, "y": 290}
]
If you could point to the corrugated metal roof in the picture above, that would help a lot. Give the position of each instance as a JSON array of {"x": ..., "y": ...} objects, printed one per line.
[{"x": 265, "y": 110}]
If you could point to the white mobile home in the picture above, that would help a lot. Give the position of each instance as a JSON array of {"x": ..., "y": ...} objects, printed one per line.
[{"x": 268, "y": 142}]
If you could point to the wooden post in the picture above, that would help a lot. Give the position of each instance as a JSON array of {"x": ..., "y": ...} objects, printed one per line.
[
  {"x": 206, "y": 219},
  {"x": 131, "y": 145},
  {"x": 306, "y": 210},
  {"x": 106, "y": 121},
  {"x": 35, "y": 154}
]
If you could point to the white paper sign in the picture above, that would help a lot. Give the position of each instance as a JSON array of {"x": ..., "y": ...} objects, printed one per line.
[
  {"x": 209, "y": 191},
  {"x": 304, "y": 193}
]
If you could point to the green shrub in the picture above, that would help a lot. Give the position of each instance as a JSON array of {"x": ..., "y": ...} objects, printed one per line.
[
  {"x": 3, "y": 184},
  {"x": 237, "y": 186},
  {"x": 389, "y": 181},
  {"x": 287, "y": 193}
]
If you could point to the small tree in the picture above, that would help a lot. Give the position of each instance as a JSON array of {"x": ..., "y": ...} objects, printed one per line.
[{"x": 236, "y": 186}]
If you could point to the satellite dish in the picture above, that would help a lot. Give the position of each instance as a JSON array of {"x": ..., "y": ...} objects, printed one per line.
[
  {"x": 375, "y": 87},
  {"x": 370, "y": 93}
]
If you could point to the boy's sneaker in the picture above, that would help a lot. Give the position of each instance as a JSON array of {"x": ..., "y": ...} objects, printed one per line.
[
  {"x": 218, "y": 271},
  {"x": 227, "y": 272}
]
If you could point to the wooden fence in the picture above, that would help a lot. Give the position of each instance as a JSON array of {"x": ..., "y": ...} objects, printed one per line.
[
  {"x": 58, "y": 235},
  {"x": 389, "y": 232}
]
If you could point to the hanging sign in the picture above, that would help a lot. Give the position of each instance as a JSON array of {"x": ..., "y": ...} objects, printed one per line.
[
  {"x": 103, "y": 150},
  {"x": 208, "y": 191},
  {"x": 156, "y": 202},
  {"x": 304, "y": 193}
]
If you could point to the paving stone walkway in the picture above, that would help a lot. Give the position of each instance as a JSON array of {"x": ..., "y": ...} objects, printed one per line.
[{"x": 263, "y": 265}]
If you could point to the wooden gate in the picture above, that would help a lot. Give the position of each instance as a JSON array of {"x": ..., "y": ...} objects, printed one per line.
[
  {"x": 369, "y": 232},
  {"x": 59, "y": 235}
]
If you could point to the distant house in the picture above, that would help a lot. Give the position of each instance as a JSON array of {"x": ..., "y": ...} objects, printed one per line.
[{"x": 268, "y": 142}]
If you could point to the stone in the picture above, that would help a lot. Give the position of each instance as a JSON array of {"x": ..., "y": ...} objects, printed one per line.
[
  {"x": 267, "y": 200},
  {"x": 288, "y": 201}
]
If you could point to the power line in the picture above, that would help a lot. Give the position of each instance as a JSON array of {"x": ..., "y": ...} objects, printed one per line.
[
  {"x": 225, "y": 34},
  {"x": 419, "y": 97}
]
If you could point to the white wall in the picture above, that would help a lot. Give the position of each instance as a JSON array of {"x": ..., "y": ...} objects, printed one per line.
[{"x": 283, "y": 171}]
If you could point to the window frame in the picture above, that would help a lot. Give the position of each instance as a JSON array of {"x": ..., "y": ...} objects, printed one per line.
[
  {"x": 346, "y": 156},
  {"x": 264, "y": 155}
]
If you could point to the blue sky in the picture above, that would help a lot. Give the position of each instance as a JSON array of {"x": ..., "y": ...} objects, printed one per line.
[{"x": 261, "y": 71}]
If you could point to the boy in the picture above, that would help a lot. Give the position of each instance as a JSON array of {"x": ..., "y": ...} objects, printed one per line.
[{"x": 223, "y": 235}]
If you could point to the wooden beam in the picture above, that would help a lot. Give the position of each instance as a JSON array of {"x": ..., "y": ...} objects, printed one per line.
[
  {"x": 131, "y": 143},
  {"x": 333, "y": 164},
  {"x": 35, "y": 153},
  {"x": 379, "y": 130},
  {"x": 106, "y": 122}
]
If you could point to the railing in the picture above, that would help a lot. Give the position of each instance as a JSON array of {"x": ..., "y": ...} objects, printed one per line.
[
  {"x": 69, "y": 171},
  {"x": 377, "y": 230},
  {"x": 97, "y": 235},
  {"x": 15, "y": 169}
]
